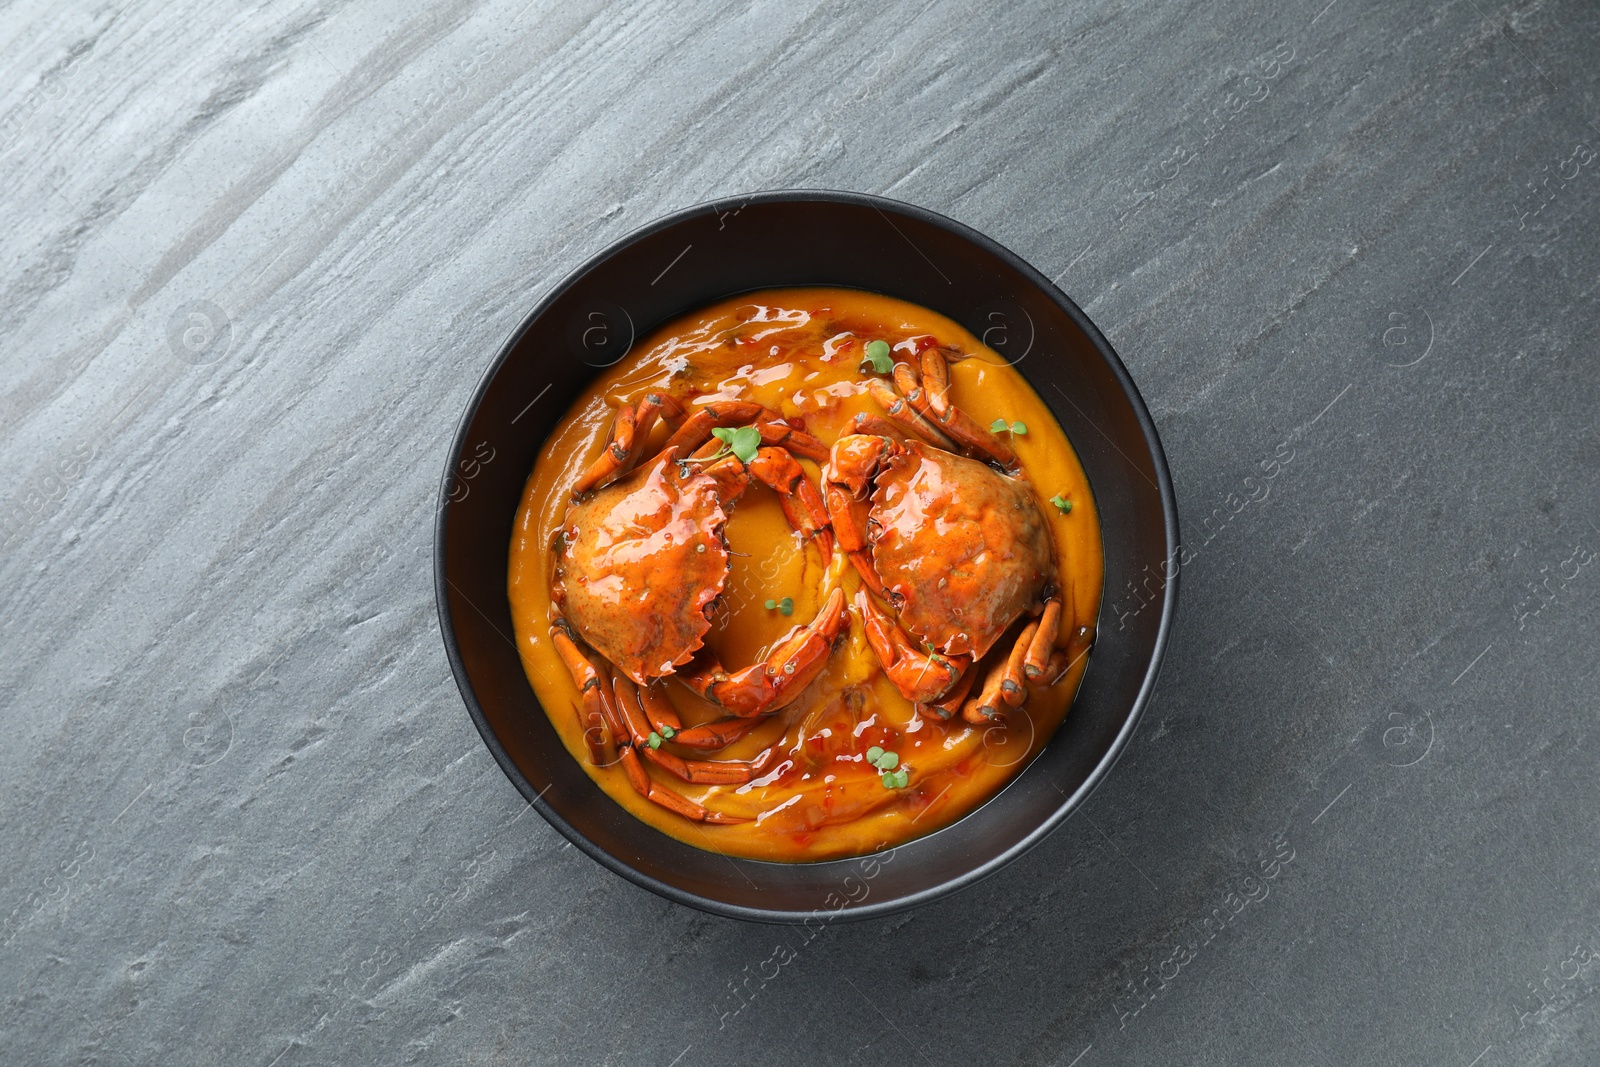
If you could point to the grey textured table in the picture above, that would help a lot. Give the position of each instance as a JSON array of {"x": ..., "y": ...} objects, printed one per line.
[{"x": 255, "y": 258}]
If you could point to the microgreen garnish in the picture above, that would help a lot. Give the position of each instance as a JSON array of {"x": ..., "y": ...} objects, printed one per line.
[
  {"x": 667, "y": 732},
  {"x": 887, "y": 762},
  {"x": 1000, "y": 426},
  {"x": 742, "y": 442},
  {"x": 878, "y": 356},
  {"x": 783, "y": 607},
  {"x": 1062, "y": 503},
  {"x": 654, "y": 740}
]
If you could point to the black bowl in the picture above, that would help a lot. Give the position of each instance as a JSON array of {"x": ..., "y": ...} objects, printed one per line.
[{"x": 702, "y": 255}]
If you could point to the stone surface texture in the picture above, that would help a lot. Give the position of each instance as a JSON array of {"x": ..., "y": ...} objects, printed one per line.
[{"x": 255, "y": 257}]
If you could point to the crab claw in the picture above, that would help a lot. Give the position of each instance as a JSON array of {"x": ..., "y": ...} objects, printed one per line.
[
  {"x": 769, "y": 685},
  {"x": 802, "y": 504},
  {"x": 921, "y": 677},
  {"x": 847, "y": 489}
]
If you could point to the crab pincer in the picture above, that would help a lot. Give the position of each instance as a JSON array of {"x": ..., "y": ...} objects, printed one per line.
[{"x": 779, "y": 678}]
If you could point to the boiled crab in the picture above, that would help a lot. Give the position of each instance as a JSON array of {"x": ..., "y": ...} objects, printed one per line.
[
  {"x": 957, "y": 549},
  {"x": 640, "y": 569}
]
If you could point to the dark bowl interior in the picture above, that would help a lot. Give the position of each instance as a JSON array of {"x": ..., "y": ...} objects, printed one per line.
[{"x": 782, "y": 239}]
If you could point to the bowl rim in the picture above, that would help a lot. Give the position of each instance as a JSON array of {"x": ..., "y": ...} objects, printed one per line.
[{"x": 944, "y": 887}]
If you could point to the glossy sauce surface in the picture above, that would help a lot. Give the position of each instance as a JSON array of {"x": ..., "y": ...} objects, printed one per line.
[{"x": 799, "y": 351}]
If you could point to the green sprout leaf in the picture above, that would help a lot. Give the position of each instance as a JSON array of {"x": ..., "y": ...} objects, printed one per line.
[
  {"x": 745, "y": 441},
  {"x": 895, "y": 779},
  {"x": 881, "y": 759},
  {"x": 1019, "y": 429},
  {"x": 878, "y": 356},
  {"x": 997, "y": 426},
  {"x": 1000, "y": 426},
  {"x": 742, "y": 442},
  {"x": 786, "y": 606},
  {"x": 1062, "y": 504},
  {"x": 654, "y": 740},
  {"x": 771, "y": 604},
  {"x": 667, "y": 732}
]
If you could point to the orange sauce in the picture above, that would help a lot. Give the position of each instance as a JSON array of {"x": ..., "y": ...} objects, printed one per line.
[{"x": 800, "y": 352}]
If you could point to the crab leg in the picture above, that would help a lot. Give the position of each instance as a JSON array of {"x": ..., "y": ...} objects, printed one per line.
[
  {"x": 790, "y": 439},
  {"x": 956, "y": 423},
  {"x": 802, "y": 504},
  {"x": 672, "y": 412},
  {"x": 598, "y": 714},
  {"x": 766, "y": 686},
  {"x": 922, "y": 677},
  {"x": 989, "y": 705},
  {"x": 616, "y": 452},
  {"x": 1006, "y": 684},
  {"x": 1013, "y": 682},
  {"x": 623, "y": 718},
  {"x": 700, "y": 772},
  {"x": 1044, "y": 641},
  {"x": 1060, "y": 660},
  {"x": 659, "y": 710},
  {"x": 718, "y": 734},
  {"x": 696, "y": 429},
  {"x": 936, "y": 381},
  {"x": 1063, "y": 658},
  {"x": 876, "y": 426},
  {"x": 905, "y": 416},
  {"x": 646, "y": 787},
  {"x": 629, "y": 430}
]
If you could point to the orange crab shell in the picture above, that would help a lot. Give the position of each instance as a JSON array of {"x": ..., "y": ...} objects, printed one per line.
[
  {"x": 962, "y": 550},
  {"x": 642, "y": 562}
]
